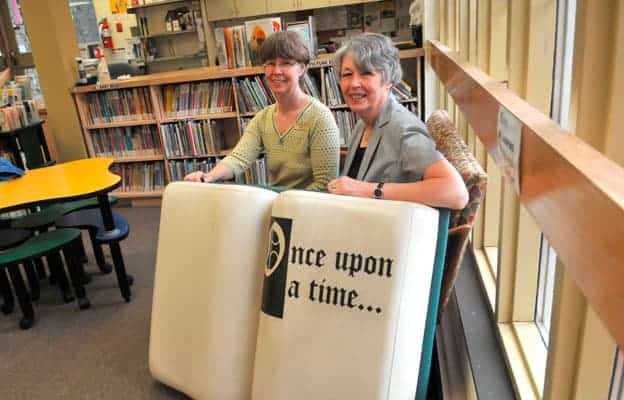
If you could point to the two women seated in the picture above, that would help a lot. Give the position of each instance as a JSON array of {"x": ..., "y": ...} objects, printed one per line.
[{"x": 391, "y": 155}]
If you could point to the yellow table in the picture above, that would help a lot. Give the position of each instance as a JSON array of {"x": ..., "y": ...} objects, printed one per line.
[{"x": 68, "y": 181}]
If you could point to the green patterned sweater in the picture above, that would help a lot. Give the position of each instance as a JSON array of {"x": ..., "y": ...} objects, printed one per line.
[{"x": 306, "y": 156}]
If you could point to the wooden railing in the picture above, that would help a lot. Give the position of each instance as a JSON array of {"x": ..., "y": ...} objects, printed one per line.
[{"x": 575, "y": 194}]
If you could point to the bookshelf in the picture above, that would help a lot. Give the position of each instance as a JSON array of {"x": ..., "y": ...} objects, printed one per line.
[
  {"x": 161, "y": 34},
  {"x": 158, "y": 127},
  {"x": 170, "y": 35}
]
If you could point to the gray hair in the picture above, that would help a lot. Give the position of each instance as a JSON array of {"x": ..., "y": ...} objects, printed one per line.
[{"x": 371, "y": 52}]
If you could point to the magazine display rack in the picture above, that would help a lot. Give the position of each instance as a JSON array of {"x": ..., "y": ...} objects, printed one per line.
[
  {"x": 159, "y": 127},
  {"x": 171, "y": 35},
  {"x": 25, "y": 147}
]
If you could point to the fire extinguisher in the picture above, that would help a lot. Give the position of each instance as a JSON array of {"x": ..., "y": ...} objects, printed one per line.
[{"x": 105, "y": 33}]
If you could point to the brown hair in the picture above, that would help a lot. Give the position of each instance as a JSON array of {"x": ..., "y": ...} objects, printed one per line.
[{"x": 286, "y": 45}]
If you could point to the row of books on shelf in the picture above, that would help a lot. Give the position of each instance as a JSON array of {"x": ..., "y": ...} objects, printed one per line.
[
  {"x": 13, "y": 93},
  {"x": 256, "y": 174},
  {"x": 333, "y": 93},
  {"x": 346, "y": 122},
  {"x": 178, "y": 169},
  {"x": 402, "y": 91},
  {"x": 7, "y": 155},
  {"x": 149, "y": 176},
  {"x": 16, "y": 91},
  {"x": 311, "y": 86},
  {"x": 244, "y": 121},
  {"x": 413, "y": 107},
  {"x": 140, "y": 177},
  {"x": 239, "y": 45},
  {"x": 253, "y": 94},
  {"x": 197, "y": 98},
  {"x": 126, "y": 141},
  {"x": 18, "y": 115},
  {"x": 119, "y": 105},
  {"x": 191, "y": 138}
]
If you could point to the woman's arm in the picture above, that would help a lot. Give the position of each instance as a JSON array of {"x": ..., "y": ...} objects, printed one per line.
[
  {"x": 324, "y": 151},
  {"x": 441, "y": 186},
  {"x": 219, "y": 173},
  {"x": 244, "y": 153}
]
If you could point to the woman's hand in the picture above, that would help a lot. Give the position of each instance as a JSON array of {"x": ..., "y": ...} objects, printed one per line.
[
  {"x": 351, "y": 187},
  {"x": 197, "y": 176},
  {"x": 220, "y": 172}
]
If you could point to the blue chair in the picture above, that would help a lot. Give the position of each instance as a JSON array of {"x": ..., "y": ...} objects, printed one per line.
[{"x": 91, "y": 220}]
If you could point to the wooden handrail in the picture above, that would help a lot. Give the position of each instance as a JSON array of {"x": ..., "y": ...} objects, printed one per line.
[{"x": 575, "y": 193}]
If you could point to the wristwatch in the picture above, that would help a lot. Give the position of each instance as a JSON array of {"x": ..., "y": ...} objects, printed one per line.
[{"x": 378, "y": 193}]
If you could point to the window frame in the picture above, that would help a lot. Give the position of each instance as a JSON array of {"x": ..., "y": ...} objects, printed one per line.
[{"x": 13, "y": 58}]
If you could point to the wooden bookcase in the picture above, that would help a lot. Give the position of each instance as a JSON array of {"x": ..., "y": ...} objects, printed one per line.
[{"x": 155, "y": 120}]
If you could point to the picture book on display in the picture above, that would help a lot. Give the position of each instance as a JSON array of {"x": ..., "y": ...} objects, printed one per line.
[
  {"x": 231, "y": 47},
  {"x": 258, "y": 30},
  {"x": 300, "y": 305},
  {"x": 241, "y": 52},
  {"x": 306, "y": 29},
  {"x": 221, "y": 47}
]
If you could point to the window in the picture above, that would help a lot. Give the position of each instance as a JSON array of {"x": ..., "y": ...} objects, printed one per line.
[
  {"x": 545, "y": 288},
  {"x": 85, "y": 23},
  {"x": 564, "y": 50},
  {"x": 37, "y": 96},
  {"x": 562, "y": 83},
  {"x": 15, "y": 44},
  {"x": 21, "y": 37},
  {"x": 616, "y": 391}
]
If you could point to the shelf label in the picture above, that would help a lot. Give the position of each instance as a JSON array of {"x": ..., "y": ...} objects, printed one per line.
[{"x": 508, "y": 145}]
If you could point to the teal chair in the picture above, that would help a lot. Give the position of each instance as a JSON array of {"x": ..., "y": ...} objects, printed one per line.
[
  {"x": 434, "y": 303},
  {"x": 10, "y": 238},
  {"x": 42, "y": 220},
  {"x": 58, "y": 240}
]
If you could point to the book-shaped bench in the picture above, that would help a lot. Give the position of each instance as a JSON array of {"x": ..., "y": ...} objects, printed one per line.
[{"x": 300, "y": 295}]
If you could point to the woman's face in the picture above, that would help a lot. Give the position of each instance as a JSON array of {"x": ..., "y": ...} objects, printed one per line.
[
  {"x": 283, "y": 75},
  {"x": 364, "y": 92}
]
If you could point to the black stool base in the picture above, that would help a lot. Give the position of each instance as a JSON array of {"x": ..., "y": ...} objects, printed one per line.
[{"x": 26, "y": 323}]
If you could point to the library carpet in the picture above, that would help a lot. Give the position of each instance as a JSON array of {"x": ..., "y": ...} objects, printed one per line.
[{"x": 99, "y": 353}]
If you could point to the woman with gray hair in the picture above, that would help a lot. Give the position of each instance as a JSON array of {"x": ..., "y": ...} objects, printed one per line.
[{"x": 391, "y": 155}]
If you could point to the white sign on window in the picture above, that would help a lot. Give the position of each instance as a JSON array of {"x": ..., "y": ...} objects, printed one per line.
[{"x": 508, "y": 144}]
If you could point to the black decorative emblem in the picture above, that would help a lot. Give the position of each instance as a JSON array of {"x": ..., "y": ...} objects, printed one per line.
[{"x": 276, "y": 269}]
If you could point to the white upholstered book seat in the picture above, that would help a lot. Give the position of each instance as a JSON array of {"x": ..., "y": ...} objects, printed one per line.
[
  {"x": 338, "y": 307},
  {"x": 207, "y": 288}
]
